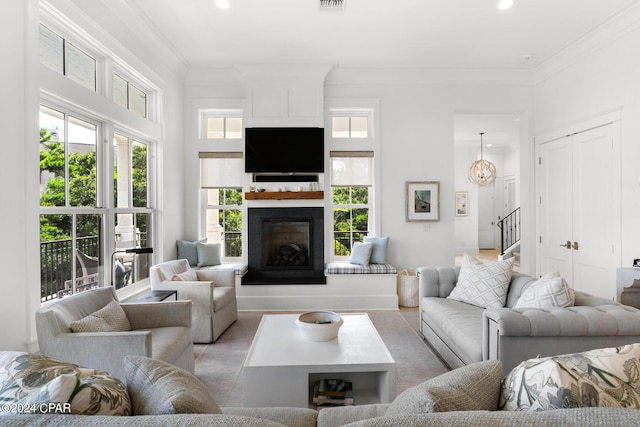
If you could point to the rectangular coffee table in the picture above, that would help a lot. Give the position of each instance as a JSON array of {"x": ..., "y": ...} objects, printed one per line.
[{"x": 282, "y": 366}]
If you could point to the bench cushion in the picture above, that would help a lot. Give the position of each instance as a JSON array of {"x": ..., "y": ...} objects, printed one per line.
[
  {"x": 348, "y": 268},
  {"x": 239, "y": 268}
]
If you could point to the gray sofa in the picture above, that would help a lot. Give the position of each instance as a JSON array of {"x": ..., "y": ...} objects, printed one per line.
[{"x": 462, "y": 333}]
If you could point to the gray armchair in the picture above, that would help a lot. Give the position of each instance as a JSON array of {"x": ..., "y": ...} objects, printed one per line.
[
  {"x": 215, "y": 306},
  {"x": 159, "y": 330}
]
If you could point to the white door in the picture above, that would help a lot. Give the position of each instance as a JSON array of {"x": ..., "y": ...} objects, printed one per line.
[
  {"x": 486, "y": 216},
  {"x": 579, "y": 197},
  {"x": 596, "y": 223}
]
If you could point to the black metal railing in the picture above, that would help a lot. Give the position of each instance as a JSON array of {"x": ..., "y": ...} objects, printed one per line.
[
  {"x": 509, "y": 230},
  {"x": 56, "y": 263},
  {"x": 232, "y": 244}
]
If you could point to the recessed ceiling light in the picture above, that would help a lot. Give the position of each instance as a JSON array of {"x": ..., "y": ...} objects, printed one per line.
[
  {"x": 222, "y": 4},
  {"x": 505, "y": 4}
]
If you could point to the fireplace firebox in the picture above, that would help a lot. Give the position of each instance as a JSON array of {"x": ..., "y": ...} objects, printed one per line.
[{"x": 286, "y": 246}]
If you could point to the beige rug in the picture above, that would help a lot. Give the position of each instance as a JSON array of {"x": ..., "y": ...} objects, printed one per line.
[{"x": 219, "y": 365}]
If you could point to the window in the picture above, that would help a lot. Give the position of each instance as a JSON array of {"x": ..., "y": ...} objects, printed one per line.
[
  {"x": 349, "y": 127},
  {"x": 128, "y": 96},
  {"x": 221, "y": 180},
  {"x": 95, "y": 199},
  {"x": 351, "y": 180},
  {"x": 67, "y": 59},
  {"x": 68, "y": 188},
  {"x": 222, "y": 124}
]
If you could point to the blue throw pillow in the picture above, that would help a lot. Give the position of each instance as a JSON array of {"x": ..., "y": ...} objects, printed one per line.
[
  {"x": 188, "y": 250},
  {"x": 209, "y": 254},
  {"x": 379, "y": 254},
  {"x": 361, "y": 253}
]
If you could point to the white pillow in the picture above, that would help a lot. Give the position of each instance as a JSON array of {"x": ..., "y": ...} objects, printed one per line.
[
  {"x": 187, "y": 276},
  {"x": 483, "y": 285},
  {"x": 551, "y": 290}
]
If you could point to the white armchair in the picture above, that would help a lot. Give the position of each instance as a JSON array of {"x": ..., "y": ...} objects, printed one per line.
[
  {"x": 213, "y": 295},
  {"x": 159, "y": 330}
]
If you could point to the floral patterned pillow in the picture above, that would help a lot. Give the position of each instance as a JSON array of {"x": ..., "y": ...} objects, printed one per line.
[
  {"x": 608, "y": 377},
  {"x": 32, "y": 381}
]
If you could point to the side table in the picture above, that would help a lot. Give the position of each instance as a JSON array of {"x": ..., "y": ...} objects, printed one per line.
[{"x": 157, "y": 296}]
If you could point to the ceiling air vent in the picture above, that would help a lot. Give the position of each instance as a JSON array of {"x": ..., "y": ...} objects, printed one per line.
[{"x": 332, "y": 4}]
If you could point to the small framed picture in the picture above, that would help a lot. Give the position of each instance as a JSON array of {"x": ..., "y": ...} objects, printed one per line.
[
  {"x": 636, "y": 262},
  {"x": 423, "y": 201},
  {"x": 462, "y": 198}
]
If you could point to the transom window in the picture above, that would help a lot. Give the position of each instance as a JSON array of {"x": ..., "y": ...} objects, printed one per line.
[
  {"x": 224, "y": 127},
  {"x": 67, "y": 59},
  {"x": 350, "y": 127},
  {"x": 129, "y": 96}
]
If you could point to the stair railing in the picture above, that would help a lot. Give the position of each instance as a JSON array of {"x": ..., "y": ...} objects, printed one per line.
[{"x": 509, "y": 230}]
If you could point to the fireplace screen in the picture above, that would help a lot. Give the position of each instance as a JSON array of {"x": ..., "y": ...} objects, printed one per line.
[{"x": 286, "y": 244}]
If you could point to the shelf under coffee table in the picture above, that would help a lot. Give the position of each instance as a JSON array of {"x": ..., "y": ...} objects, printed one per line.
[{"x": 282, "y": 367}]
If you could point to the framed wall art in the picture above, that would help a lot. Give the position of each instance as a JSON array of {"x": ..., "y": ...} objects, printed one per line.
[
  {"x": 423, "y": 201},
  {"x": 462, "y": 198}
]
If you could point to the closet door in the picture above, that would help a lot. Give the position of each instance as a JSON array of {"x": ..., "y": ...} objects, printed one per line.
[
  {"x": 578, "y": 213},
  {"x": 596, "y": 213},
  {"x": 555, "y": 213}
]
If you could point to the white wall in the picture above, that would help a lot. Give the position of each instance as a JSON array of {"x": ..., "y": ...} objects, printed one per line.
[
  {"x": 417, "y": 122},
  {"x": 589, "y": 85}
]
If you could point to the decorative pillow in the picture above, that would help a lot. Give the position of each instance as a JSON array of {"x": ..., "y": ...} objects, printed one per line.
[
  {"x": 483, "y": 285},
  {"x": 188, "y": 250},
  {"x": 209, "y": 254},
  {"x": 475, "y": 387},
  {"x": 110, "y": 318},
  {"x": 35, "y": 380},
  {"x": 379, "y": 254},
  {"x": 187, "y": 276},
  {"x": 551, "y": 290},
  {"x": 159, "y": 388},
  {"x": 607, "y": 377},
  {"x": 361, "y": 253}
]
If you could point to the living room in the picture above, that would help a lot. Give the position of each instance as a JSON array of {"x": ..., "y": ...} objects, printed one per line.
[{"x": 575, "y": 82}]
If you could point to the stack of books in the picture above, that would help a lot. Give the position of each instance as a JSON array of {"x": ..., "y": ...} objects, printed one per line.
[{"x": 333, "y": 393}]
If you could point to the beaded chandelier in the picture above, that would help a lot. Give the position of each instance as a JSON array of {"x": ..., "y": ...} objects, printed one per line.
[{"x": 482, "y": 172}]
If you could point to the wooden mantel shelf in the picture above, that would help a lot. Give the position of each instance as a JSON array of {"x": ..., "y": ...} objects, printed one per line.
[{"x": 283, "y": 195}]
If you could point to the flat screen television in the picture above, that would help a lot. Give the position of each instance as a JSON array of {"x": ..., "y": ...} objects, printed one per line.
[{"x": 284, "y": 150}]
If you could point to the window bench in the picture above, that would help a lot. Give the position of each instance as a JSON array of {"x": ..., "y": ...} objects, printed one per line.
[{"x": 348, "y": 287}]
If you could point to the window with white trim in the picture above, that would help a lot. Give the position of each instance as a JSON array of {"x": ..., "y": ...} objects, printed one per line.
[
  {"x": 129, "y": 96},
  {"x": 351, "y": 181},
  {"x": 221, "y": 180},
  {"x": 350, "y": 126},
  {"x": 95, "y": 198},
  {"x": 67, "y": 59},
  {"x": 222, "y": 124}
]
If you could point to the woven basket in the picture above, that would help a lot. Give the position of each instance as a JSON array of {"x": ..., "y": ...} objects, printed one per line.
[{"x": 408, "y": 288}]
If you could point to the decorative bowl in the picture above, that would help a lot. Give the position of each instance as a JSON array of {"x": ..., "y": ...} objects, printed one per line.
[{"x": 319, "y": 325}]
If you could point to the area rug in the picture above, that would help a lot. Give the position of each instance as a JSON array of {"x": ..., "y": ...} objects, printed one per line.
[{"x": 219, "y": 365}]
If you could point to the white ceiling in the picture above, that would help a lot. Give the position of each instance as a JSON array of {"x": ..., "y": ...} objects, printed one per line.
[
  {"x": 392, "y": 33},
  {"x": 460, "y": 34}
]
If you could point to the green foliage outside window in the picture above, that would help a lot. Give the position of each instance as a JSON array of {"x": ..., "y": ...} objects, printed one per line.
[
  {"x": 231, "y": 220},
  {"x": 350, "y": 224}
]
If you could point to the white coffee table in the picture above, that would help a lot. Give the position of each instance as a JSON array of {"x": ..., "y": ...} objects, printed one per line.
[{"x": 282, "y": 367}]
